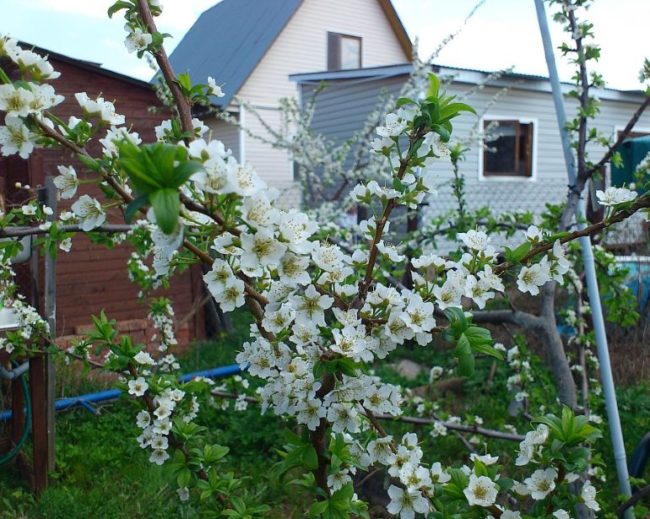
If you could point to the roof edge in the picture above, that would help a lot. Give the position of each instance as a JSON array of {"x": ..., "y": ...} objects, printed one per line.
[
  {"x": 462, "y": 75},
  {"x": 88, "y": 65},
  {"x": 398, "y": 27}
]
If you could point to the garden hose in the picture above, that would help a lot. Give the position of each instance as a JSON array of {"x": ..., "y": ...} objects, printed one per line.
[{"x": 7, "y": 457}]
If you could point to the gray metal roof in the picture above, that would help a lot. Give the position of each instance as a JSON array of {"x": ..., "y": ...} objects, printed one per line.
[
  {"x": 460, "y": 75},
  {"x": 229, "y": 40}
]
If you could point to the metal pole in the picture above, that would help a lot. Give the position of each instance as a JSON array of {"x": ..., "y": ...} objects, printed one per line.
[{"x": 607, "y": 379}]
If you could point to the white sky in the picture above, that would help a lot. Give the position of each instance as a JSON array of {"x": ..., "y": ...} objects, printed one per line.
[{"x": 502, "y": 33}]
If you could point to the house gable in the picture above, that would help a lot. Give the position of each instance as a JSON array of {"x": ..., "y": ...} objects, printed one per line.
[
  {"x": 302, "y": 44},
  {"x": 229, "y": 39}
]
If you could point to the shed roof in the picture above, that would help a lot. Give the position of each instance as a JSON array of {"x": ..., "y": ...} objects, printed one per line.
[
  {"x": 460, "y": 75},
  {"x": 231, "y": 38},
  {"x": 91, "y": 66}
]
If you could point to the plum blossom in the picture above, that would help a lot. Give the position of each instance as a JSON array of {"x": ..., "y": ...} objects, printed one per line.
[
  {"x": 105, "y": 109},
  {"x": 394, "y": 125},
  {"x": 90, "y": 212},
  {"x": 533, "y": 277},
  {"x": 260, "y": 250},
  {"x": 481, "y": 491},
  {"x": 15, "y": 137},
  {"x": 475, "y": 240},
  {"x": 541, "y": 483},
  {"x": 138, "y": 386},
  {"x": 231, "y": 296},
  {"x": 406, "y": 503},
  {"x": 137, "y": 40},
  {"x": 66, "y": 182},
  {"x": 16, "y": 102},
  {"x": 588, "y": 495},
  {"x": 310, "y": 306},
  {"x": 533, "y": 234},
  {"x": 214, "y": 89},
  {"x": 615, "y": 195},
  {"x": 438, "y": 475}
]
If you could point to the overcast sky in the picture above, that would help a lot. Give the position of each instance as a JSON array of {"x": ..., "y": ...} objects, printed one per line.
[{"x": 502, "y": 33}]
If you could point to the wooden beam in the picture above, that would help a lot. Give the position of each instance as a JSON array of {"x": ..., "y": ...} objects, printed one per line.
[{"x": 38, "y": 391}]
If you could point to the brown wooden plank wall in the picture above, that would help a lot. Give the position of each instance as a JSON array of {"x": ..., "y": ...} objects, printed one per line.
[{"x": 91, "y": 278}]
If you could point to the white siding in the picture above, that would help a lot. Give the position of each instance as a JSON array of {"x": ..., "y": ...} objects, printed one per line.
[
  {"x": 550, "y": 184},
  {"x": 225, "y": 132},
  {"x": 302, "y": 47}
]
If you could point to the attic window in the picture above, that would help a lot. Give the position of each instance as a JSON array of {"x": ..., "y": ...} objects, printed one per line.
[
  {"x": 508, "y": 150},
  {"x": 343, "y": 51}
]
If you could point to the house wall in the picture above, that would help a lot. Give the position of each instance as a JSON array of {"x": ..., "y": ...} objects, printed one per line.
[
  {"x": 302, "y": 47},
  {"x": 342, "y": 108},
  {"x": 92, "y": 278},
  {"x": 226, "y": 132}
]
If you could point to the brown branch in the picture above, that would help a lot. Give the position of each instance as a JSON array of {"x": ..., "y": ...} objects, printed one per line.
[
  {"x": 584, "y": 97},
  {"x": 17, "y": 232},
  {"x": 641, "y": 203},
  {"x": 636, "y": 497},
  {"x": 621, "y": 137},
  {"x": 491, "y": 433},
  {"x": 182, "y": 103}
]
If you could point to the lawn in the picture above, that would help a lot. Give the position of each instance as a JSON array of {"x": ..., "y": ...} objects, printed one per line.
[{"x": 101, "y": 471}]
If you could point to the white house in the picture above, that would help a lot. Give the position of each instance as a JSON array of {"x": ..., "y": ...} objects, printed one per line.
[
  {"x": 263, "y": 50},
  {"x": 251, "y": 47},
  {"x": 523, "y": 169}
]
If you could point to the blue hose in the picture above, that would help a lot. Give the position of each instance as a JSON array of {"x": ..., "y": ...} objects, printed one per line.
[{"x": 87, "y": 400}]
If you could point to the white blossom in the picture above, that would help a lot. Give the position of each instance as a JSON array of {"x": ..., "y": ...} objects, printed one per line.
[
  {"x": 615, "y": 195},
  {"x": 90, "y": 212},
  {"x": 481, "y": 491},
  {"x": 66, "y": 182}
]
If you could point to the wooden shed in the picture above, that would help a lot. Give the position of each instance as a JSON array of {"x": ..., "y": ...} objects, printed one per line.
[{"x": 92, "y": 278}]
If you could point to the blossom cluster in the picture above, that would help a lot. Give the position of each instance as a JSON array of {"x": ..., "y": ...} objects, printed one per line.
[{"x": 323, "y": 313}]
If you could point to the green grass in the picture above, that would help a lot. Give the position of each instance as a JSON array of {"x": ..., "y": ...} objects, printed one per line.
[{"x": 102, "y": 472}]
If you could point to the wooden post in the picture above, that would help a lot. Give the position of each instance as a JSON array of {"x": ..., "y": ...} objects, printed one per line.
[
  {"x": 49, "y": 304},
  {"x": 38, "y": 392},
  {"x": 17, "y": 411},
  {"x": 41, "y": 367}
]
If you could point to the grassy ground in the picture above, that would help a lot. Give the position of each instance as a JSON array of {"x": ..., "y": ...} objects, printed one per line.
[{"x": 101, "y": 472}]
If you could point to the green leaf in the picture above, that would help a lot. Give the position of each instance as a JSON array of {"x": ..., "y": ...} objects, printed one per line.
[
  {"x": 184, "y": 171},
  {"x": 89, "y": 162},
  {"x": 309, "y": 457},
  {"x": 466, "y": 364},
  {"x": 453, "y": 109},
  {"x": 134, "y": 206},
  {"x": 118, "y": 6},
  {"x": 166, "y": 207},
  {"x": 516, "y": 255},
  {"x": 318, "y": 508},
  {"x": 405, "y": 101},
  {"x": 443, "y": 131},
  {"x": 184, "y": 477},
  {"x": 434, "y": 86},
  {"x": 185, "y": 82},
  {"x": 137, "y": 166}
]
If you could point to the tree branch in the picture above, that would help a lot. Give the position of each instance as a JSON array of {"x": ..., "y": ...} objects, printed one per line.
[{"x": 182, "y": 103}]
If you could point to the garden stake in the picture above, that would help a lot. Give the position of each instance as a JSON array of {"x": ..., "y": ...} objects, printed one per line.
[{"x": 590, "y": 270}]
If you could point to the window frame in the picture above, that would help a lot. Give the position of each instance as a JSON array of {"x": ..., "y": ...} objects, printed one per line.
[
  {"x": 481, "y": 152},
  {"x": 335, "y": 36}
]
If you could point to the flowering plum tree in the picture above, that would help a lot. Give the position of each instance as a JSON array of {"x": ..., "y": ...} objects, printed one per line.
[{"x": 323, "y": 316}]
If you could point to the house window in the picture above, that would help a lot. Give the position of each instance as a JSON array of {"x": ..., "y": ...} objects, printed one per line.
[
  {"x": 508, "y": 150},
  {"x": 343, "y": 51}
]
